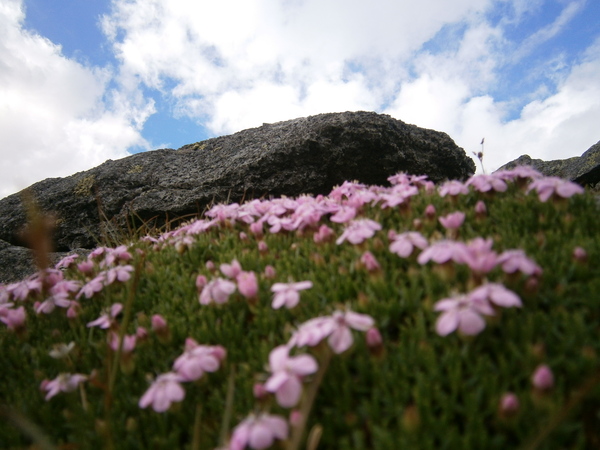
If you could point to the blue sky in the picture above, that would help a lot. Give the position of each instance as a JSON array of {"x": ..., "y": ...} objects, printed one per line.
[{"x": 83, "y": 81}]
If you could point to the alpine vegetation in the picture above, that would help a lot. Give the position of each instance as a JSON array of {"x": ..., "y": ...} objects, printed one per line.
[{"x": 460, "y": 315}]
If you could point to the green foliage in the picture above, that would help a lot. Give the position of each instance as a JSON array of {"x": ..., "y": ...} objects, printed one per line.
[{"x": 420, "y": 391}]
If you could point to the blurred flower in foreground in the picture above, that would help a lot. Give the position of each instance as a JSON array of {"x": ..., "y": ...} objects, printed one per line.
[
  {"x": 509, "y": 405},
  {"x": 258, "y": 432},
  {"x": 65, "y": 382},
  {"x": 286, "y": 380},
  {"x": 554, "y": 186},
  {"x": 288, "y": 294},
  {"x": 543, "y": 378},
  {"x": 165, "y": 390}
]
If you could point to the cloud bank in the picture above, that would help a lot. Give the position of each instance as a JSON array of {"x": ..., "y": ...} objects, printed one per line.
[
  {"x": 232, "y": 65},
  {"x": 57, "y": 116}
]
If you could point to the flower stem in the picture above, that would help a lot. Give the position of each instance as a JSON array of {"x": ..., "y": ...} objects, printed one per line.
[{"x": 307, "y": 403}]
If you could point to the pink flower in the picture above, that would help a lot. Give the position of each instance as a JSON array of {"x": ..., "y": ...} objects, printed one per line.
[
  {"x": 86, "y": 267},
  {"x": 496, "y": 294},
  {"x": 22, "y": 289},
  {"x": 231, "y": 270},
  {"x": 113, "y": 256},
  {"x": 247, "y": 284},
  {"x": 486, "y": 183},
  {"x": 480, "y": 209},
  {"x": 479, "y": 255},
  {"x": 543, "y": 379},
  {"x": 259, "y": 391},
  {"x": 443, "y": 251},
  {"x": 312, "y": 332},
  {"x": 66, "y": 261},
  {"x": 554, "y": 186},
  {"x": 323, "y": 234},
  {"x": 579, "y": 254},
  {"x": 258, "y": 432},
  {"x": 65, "y": 382},
  {"x": 517, "y": 261},
  {"x": 119, "y": 273},
  {"x": 159, "y": 324},
  {"x": 462, "y": 312},
  {"x": 430, "y": 211},
  {"x": 201, "y": 281},
  {"x": 270, "y": 272},
  {"x": 399, "y": 194},
  {"x": 262, "y": 247},
  {"x": 60, "y": 299},
  {"x": 256, "y": 229},
  {"x": 344, "y": 214},
  {"x": 373, "y": 338},
  {"x": 404, "y": 244},
  {"x": 509, "y": 405},
  {"x": 358, "y": 231},
  {"x": 129, "y": 342},
  {"x": 341, "y": 338},
  {"x": 198, "y": 359},
  {"x": 108, "y": 318},
  {"x": 286, "y": 380},
  {"x": 14, "y": 319},
  {"x": 288, "y": 294},
  {"x": 92, "y": 287},
  {"x": 217, "y": 291},
  {"x": 452, "y": 221},
  {"x": 519, "y": 172},
  {"x": 73, "y": 310},
  {"x": 165, "y": 390},
  {"x": 370, "y": 262},
  {"x": 453, "y": 188}
]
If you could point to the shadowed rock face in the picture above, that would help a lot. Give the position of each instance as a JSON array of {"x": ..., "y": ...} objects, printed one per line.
[
  {"x": 306, "y": 155},
  {"x": 584, "y": 169}
]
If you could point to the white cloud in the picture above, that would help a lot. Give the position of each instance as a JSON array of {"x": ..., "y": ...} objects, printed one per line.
[
  {"x": 244, "y": 63},
  {"x": 549, "y": 31},
  {"x": 55, "y": 115},
  {"x": 234, "y": 64}
]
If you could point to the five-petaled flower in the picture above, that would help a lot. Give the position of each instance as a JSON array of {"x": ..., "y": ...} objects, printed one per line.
[
  {"x": 462, "y": 312},
  {"x": 165, "y": 390},
  {"x": 108, "y": 317},
  {"x": 288, "y": 294},
  {"x": 287, "y": 372},
  {"x": 65, "y": 382},
  {"x": 258, "y": 432},
  {"x": 198, "y": 359},
  {"x": 358, "y": 231},
  {"x": 218, "y": 291}
]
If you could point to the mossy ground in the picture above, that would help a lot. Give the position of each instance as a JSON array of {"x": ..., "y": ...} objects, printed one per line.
[{"x": 419, "y": 391}]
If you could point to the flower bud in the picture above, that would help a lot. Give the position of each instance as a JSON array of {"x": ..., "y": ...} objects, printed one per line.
[
  {"x": 580, "y": 255},
  {"x": 542, "y": 379},
  {"x": 509, "y": 405}
]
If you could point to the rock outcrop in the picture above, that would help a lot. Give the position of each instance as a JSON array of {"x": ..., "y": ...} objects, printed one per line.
[
  {"x": 305, "y": 155},
  {"x": 584, "y": 169},
  {"x": 18, "y": 262}
]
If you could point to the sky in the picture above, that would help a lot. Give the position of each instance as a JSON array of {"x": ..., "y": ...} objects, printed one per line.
[{"x": 84, "y": 81}]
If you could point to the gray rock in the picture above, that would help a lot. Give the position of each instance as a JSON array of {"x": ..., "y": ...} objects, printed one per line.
[
  {"x": 584, "y": 169},
  {"x": 306, "y": 155},
  {"x": 17, "y": 263}
]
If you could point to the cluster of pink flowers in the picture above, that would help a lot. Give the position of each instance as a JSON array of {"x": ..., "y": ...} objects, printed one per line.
[
  {"x": 195, "y": 361},
  {"x": 464, "y": 311},
  {"x": 288, "y": 373},
  {"x": 218, "y": 290},
  {"x": 49, "y": 290}
]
